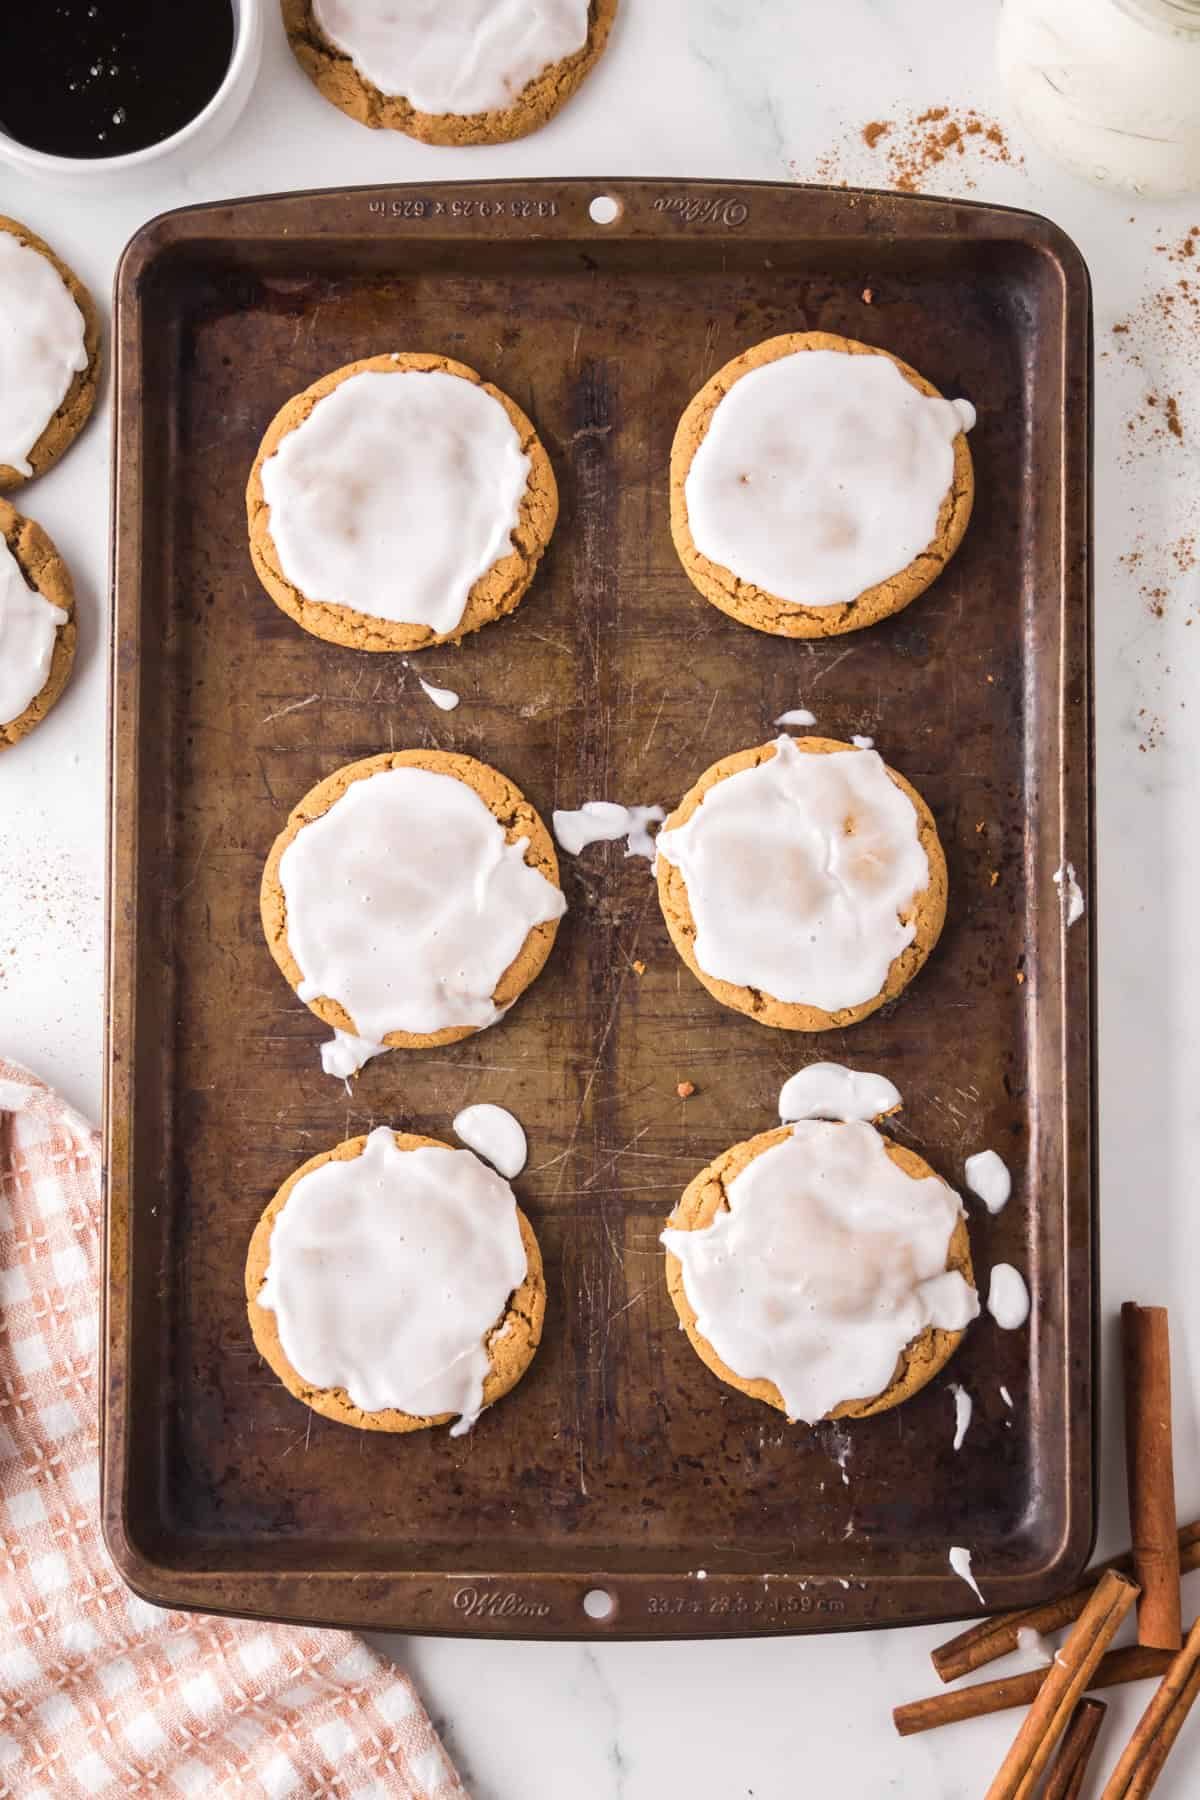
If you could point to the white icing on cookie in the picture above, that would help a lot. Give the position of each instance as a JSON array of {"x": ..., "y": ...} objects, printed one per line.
[
  {"x": 963, "y": 1408},
  {"x": 406, "y": 905},
  {"x": 960, "y": 1562},
  {"x": 41, "y": 348},
  {"x": 388, "y": 1273},
  {"x": 603, "y": 822},
  {"x": 492, "y": 1132},
  {"x": 829, "y": 1091},
  {"x": 987, "y": 1176},
  {"x": 454, "y": 56},
  {"x": 1008, "y": 1297},
  {"x": 28, "y": 627},
  {"x": 396, "y": 494},
  {"x": 822, "y": 474},
  {"x": 827, "y": 1263},
  {"x": 785, "y": 898}
]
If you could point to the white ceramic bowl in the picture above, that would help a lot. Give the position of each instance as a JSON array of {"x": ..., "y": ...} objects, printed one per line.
[{"x": 195, "y": 139}]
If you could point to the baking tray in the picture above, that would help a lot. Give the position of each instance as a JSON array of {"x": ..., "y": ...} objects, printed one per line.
[{"x": 620, "y": 1463}]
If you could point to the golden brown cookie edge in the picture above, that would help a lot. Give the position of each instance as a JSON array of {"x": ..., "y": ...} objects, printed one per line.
[
  {"x": 518, "y": 817},
  {"x": 521, "y": 1324},
  {"x": 76, "y": 406},
  {"x": 768, "y": 613},
  {"x": 929, "y": 907},
  {"x": 498, "y": 592},
  {"x": 918, "y": 1362},
  {"x": 44, "y": 569},
  {"x": 336, "y": 79}
]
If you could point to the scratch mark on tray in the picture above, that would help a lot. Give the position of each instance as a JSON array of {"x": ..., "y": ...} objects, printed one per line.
[
  {"x": 203, "y": 851},
  {"x": 830, "y": 667},
  {"x": 296, "y": 706}
]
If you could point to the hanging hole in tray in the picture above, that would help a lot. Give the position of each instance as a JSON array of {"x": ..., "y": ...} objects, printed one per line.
[
  {"x": 599, "y": 1604},
  {"x": 605, "y": 210}
]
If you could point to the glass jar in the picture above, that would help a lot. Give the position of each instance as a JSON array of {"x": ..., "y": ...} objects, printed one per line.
[{"x": 1109, "y": 87}]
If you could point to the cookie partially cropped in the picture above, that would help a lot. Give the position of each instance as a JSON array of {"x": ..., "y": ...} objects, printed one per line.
[
  {"x": 49, "y": 355},
  {"x": 475, "y": 72},
  {"x": 803, "y": 882},
  {"x": 393, "y": 1283},
  {"x": 399, "y": 502},
  {"x": 818, "y": 485},
  {"x": 822, "y": 1269},
  {"x": 410, "y": 900},
  {"x": 37, "y": 625}
]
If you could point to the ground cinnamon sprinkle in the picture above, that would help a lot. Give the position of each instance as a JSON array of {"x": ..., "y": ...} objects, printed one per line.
[
  {"x": 1173, "y": 422},
  {"x": 935, "y": 148}
]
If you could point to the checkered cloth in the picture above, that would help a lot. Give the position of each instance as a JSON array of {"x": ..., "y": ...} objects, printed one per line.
[{"x": 101, "y": 1694}]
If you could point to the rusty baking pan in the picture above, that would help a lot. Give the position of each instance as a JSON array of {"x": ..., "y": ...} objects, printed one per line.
[{"x": 619, "y": 1463}]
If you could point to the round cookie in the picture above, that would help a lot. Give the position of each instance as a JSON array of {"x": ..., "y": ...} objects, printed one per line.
[
  {"x": 44, "y": 570},
  {"x": 511, "y": 1344},
  {"x": 73, "y": 410},
  {"x": 928, "y": 912},
  {"x": 498, "y": 591},
  {"x": 755, "y": 606},
  {"x": 339, "y": 81},
  {"x": 506, "y": 803},
  {"x": 919, "y": 1361}
]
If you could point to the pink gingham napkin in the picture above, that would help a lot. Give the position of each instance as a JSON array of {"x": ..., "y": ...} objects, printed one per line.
[{"x": 100, "y": 1694}]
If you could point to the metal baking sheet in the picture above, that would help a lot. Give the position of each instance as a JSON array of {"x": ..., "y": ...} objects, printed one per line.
[{"x": 619, "y": 1463}]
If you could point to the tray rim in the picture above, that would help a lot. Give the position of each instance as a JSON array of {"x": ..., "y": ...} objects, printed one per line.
[{"x": 501, "y": 1605}]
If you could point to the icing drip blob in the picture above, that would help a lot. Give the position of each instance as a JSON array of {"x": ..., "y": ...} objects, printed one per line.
[
  {"x": 829, "y": 1091},
  {"x": 988, "y": 1177},
  {"x": 406, "y": 904},
  {"x": 41, "y": 349},
  {"x": 396, "y": 494},
  {"x": 822, "y": 474},
  {"x": 960, "y": 1562},
  {"x": 472, "y": 56},
  {"x": 493, "y": 1133},
  {"x": 797, "y": 871},
  {"x": 28, "y": 628},
  {"x": 603, "y": 822},
  {"x": 827, "y": 1261},
  {"x": 1008, "y": 1297},
  {"x": 388, "y": 1273}
]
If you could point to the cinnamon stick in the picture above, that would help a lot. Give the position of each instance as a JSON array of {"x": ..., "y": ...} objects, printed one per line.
[
  {"x": 1150, "y": 1472},
  {"x": 986, "y": 1697},
  {"x": 982, "y": 1643},
  {"x": 1147, "y": 1750},
  {"x": 1066, "y": 1778},
  {"x": 1066, "y": 1678}
]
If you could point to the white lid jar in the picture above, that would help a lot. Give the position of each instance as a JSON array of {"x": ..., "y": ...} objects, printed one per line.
[{"x": 1109, "y": 87}]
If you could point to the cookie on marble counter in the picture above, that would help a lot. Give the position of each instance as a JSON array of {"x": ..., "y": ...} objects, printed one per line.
[
  {"x": 49, "y": 355},
  {"x": 37, "y": 625},
  {"x": 477, "y": 72}
]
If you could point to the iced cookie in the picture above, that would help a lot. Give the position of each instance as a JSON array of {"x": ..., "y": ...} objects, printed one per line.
[
  {"x": 802, "y": 882},
  {"x": 452, "y": 72},
  {"x": 37, "y": 625},
  {"x": 49, "y": 355},
  {"x": 821, "y": 1268},
  {"x": 401, "y": 501},
  {"x": 394, "y": 1283},
  {"x": 410, "y": 900},
  {"x": 818, "y": 485}
]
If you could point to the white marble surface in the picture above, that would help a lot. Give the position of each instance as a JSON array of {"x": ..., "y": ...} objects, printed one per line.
[{"x": 748, "y": 89}]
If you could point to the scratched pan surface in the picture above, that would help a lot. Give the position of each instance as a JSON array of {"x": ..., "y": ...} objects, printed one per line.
[{"x": 619, "y": 1462}]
